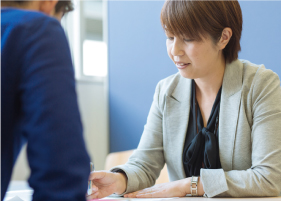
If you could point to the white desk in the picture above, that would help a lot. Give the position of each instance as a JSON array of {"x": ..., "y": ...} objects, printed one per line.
[{"x": 24, "y": 192}]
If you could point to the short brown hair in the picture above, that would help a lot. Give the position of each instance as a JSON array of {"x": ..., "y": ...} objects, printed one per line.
[
  {"x": 200, "y": 18},
  {"x": 63, "y": 5}
]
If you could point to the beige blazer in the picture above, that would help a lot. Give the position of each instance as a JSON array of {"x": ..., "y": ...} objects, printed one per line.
[{"x": 249, "y": 139}]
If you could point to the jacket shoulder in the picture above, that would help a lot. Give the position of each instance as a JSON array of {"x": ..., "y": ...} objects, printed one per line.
[
  {"x": 256, "y": 76},
  {"x": 21, "y": 16}
]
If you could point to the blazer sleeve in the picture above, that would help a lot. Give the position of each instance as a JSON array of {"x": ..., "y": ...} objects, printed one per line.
[
  {"x": 146, "y": 162},
  {"x": 264, "y": 176}
]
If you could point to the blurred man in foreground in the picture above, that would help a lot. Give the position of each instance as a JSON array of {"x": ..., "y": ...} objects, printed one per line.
[{"x": 39, "y": 102}]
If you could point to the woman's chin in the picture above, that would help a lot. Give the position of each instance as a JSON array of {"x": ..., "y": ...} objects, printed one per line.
[{"x": 185, "y": 75}]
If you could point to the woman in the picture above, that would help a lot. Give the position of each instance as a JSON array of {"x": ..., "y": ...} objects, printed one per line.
[{"x": 216, "y": 123}]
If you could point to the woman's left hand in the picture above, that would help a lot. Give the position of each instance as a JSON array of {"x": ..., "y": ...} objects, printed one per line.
[{"x": 177, "y": 188}]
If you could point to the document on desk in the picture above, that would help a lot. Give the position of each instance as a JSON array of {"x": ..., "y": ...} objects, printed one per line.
[
  {"x": 26, "y": 195},
  {"x": 15, "y": 199},
  {"x": 132, "y": 199},
  {"x": 22, "y": 195},
  {"x": 145, "y": 199}
]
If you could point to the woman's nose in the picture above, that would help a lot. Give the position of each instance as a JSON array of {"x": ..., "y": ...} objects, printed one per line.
[{"x": 177, "y": 48}]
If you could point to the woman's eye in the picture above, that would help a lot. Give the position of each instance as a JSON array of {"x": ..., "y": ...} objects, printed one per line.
[
  {"x": 188, "y": 40},
  {"x": 170, "y": 38}
]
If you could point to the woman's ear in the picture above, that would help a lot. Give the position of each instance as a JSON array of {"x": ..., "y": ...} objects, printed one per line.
[
  {"x": 47, "y": 7},
  {"x": 225, "y": 37}
]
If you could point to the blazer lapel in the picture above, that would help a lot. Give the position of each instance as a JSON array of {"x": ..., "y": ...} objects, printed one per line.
[
  {"x": 177, "y": 116},
  {"x": 229, "y": 111}
]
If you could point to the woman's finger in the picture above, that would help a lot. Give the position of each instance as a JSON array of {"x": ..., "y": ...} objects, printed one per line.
[
  {"x": 146, "y": 195},
  {"x": 152, "y": 194},
  {"x": 92, "y": 196},
  {"x": 140, "y": 192},
  {"x": 145, "y": 192},
  {"x": 130, "y": 195},
  {"x": 97, "y": 175},
  {"x": 94, "y": 189}
]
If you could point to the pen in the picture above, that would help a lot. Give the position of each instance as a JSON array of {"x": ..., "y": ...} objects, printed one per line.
[{"x": 90, "y": 184}]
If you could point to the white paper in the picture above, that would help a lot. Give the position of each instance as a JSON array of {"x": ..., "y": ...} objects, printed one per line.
[
  {"x": 23, "y": 195},
  {"x": 15, "y": 199}
]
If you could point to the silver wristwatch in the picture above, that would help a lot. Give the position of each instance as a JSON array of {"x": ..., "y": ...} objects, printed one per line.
[{"x": 193, "y": 186}]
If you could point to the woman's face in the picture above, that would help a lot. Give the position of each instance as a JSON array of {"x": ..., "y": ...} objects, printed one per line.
[{"x": 194, "y": 59}]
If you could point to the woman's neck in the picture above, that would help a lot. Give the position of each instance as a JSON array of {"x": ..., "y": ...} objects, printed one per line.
[{"x": 209, "y": 85}]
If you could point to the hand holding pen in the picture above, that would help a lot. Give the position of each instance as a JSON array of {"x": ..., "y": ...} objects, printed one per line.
[
  {"x": 90, "y": 183},
  {"x": 105, "y": 183}
]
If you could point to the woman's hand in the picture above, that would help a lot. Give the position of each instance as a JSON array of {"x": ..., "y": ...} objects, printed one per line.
[
  {"x": 171, "y": 189},
  {"x": 177, "y": 188},
  {"x": 106, "y": 183}
]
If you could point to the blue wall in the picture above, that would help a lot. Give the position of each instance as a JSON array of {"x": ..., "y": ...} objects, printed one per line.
[
  {"x": 261, "y": 35},
  {"x": 138, "y": 58}
]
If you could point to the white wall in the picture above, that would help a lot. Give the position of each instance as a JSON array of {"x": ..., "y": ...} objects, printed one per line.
[{"x": 93, "y": 104}]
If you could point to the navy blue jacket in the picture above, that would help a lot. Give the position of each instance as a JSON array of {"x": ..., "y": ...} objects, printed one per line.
[{"x": 39, "y": 106}]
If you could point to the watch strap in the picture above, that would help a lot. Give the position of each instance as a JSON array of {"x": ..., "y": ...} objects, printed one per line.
[{"x": 193, "y": 186}]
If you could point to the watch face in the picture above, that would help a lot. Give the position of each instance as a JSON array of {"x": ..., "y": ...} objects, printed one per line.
[{"x": 194, "y": 179}]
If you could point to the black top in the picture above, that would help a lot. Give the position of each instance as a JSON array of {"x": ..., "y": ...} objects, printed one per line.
[{"x": 201, "y": 148}]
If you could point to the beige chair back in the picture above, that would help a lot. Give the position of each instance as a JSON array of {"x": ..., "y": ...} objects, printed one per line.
[{"x": 120, "y": 158}]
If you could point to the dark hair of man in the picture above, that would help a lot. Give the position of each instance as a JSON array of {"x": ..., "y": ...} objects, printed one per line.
[
  {"x": 64, "y": 6},
  {"x": 197, "y": 19}
]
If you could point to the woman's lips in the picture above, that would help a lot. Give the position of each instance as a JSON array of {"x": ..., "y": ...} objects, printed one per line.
[{"x": 182, "y": 65}]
